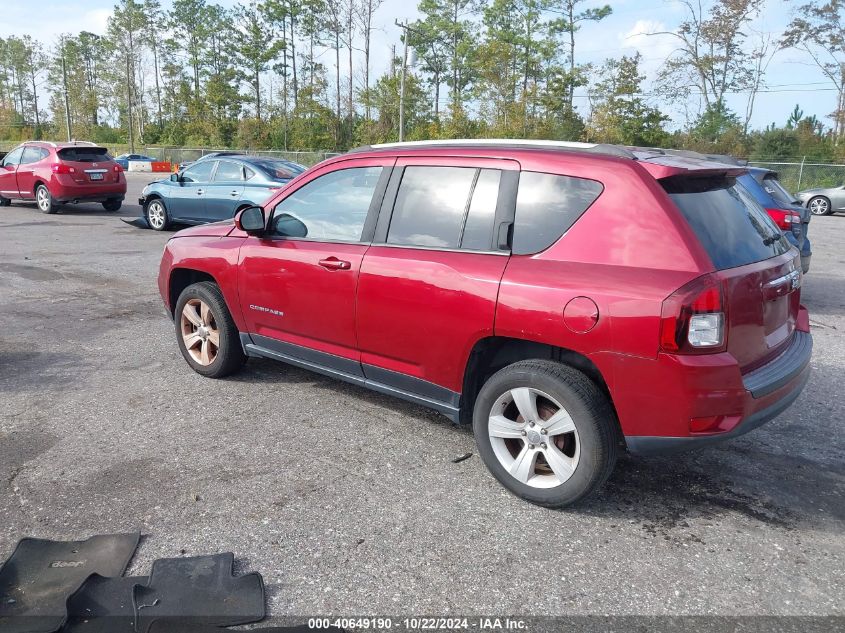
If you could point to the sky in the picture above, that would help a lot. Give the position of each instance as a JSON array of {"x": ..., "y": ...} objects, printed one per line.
[{"x": 792, "y": 79}]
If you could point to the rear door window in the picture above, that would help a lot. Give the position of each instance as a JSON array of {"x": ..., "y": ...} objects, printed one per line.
[
  {"x": 31, "y": 155},
  {"x": 730, "y": 224},
  {"x": 430, "y": 206},
  {"x": 478, "y": 229},
  {"x": 228, "y": 172},
  {"x": 84, "y": 154},
  {"x": 547, "y": 205}
]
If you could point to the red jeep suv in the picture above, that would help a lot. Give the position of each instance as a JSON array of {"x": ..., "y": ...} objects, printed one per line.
[
  {"x": 55, "y": 173},
  {"x": 568, "y": 300}
]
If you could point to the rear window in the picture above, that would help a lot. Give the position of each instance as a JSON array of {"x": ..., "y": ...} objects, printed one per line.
[
  {"x": 84, "y": 154},
  {"x": 732, "y": 227},
  {"x": 275, "y": 169},
  {"x": 776, "y": 190}
]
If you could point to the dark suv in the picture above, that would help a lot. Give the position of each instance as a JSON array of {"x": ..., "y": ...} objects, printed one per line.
[{"x": 568, "y": 300}]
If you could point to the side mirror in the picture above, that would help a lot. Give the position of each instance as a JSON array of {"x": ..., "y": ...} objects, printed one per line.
[
  {"x": 175, "y": 178},
  {"x": 289, "y": 226},
  {"x": 251, "y": 220}
]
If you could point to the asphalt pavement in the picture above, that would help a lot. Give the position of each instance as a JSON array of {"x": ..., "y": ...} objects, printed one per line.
[{"x": 348, "y": 502}]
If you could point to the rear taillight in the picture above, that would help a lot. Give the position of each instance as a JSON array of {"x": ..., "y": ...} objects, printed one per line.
[
  {"x": 61, "y": 168},
  {"x": 692, "y": 319},
  {"x": 117, "y": 168},
  {"x": 786, "y": 220}
]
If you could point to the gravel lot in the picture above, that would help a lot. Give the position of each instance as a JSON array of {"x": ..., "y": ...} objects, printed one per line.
[{"x": 347, "y": 501}]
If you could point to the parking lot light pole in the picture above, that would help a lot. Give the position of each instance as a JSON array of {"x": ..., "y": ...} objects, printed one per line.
[{"x": 407, "y": 29}]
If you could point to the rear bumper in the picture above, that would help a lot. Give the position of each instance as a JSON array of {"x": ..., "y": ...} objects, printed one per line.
[
  {"x": 769, "y": 391},
  {"x": 64, "y": 189}
]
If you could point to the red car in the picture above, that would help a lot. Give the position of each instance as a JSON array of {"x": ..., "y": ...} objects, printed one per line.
[
  {"x": 570, "y": 301},
  {"x": 55, "y": 173}
]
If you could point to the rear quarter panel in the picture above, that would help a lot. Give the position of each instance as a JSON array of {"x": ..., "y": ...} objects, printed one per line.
[{"x": 626, "y": 253}]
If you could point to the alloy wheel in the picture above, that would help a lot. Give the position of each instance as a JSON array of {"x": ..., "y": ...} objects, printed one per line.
[
  {"x": 819, "y": 206},
  {"x": 156, "y": 215},
  {"x": 200, "y": 332},
  {"x": 42, "y": 198},
  {"x": 534, "y": 437}
]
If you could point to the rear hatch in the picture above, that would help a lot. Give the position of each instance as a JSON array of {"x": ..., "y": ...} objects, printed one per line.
[
  {"x": 89, "y": 164},
  {"x": 758, "y": 269}
]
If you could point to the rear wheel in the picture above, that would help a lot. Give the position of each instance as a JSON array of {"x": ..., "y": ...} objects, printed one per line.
[
  {"x": 44, "y": 200},
  {"x": 112, "y": 205},
  {"x": 206, "y": 334},
  {"x": 546, "y": 432},
  {"x": 156, "y": 214},
  {"x": 819, "y": 206},
  {"x": 5, "y": 202}
]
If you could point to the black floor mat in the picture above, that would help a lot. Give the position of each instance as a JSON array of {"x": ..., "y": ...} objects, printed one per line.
[
  {"x": 40, "y": 576},
  {"x": 103, "y": 605},
  {"x": 200, "y": 590},
  {"x": 140, "y": 223}
]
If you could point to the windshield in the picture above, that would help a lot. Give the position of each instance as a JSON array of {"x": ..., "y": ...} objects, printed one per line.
[{"x": 732, "y": 227}]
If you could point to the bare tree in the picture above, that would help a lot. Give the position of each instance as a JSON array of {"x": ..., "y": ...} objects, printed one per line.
[{"x": 710, "y": 54}]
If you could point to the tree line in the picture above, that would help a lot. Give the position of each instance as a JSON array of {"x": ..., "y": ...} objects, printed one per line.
[{"x": 299, "y": 74}]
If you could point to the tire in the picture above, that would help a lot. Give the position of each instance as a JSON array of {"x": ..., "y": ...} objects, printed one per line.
[
  {"x": 156, "y": 214},
  {"x": 201, "y": 317},
  {"x": 584, "y": 448},
  {"x": 44, "y": 200},
  {"x": 5, "y": 202},
  {"x": 819, "y": 205},
  {"x": 112, "y": 205}
]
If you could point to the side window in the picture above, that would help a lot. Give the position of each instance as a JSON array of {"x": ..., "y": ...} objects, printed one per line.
[
  {"x": 249, "y": 173},
  {"x": 478, "y": 230},
  {"x": 547, "y": 206},
  {"x": 201, "y": 172},
  {"x": 228, "y": 171},
  {"x": 430, "y": 206},
  {"x": 332, "y": 207},
  {"x": 31, "y": 155},
  {"x": 13, "y": 157}
]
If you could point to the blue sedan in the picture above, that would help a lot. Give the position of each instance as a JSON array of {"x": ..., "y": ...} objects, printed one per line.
[
  {"x": 123, "y": 159},
  {"x": 211, "y": 190}
]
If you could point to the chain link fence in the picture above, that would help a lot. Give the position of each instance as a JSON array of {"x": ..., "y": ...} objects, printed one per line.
[
  {"x": 799, "y": 176},
  {"x": 179, "y": 155}
]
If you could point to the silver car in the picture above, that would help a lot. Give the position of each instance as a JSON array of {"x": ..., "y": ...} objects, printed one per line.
[{"x": 823, "y": 201}]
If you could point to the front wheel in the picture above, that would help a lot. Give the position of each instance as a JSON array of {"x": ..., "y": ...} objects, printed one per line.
[
  {"x": 546, "y": 432},
  {"x": 819, "y": 206},
  {"x": 112, "y": 205},
  {"x": 156, "y": 214},
  {"x": 44, "y": 200},
  {"x": 206, "y": 334}
]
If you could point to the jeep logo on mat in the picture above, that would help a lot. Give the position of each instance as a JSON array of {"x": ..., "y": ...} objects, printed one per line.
[
  {"x": 59, "y": 564},
  {"x": 263, "y": 309}
]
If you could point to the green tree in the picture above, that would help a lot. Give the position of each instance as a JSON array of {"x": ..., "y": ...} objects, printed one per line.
[
  {"x": 256, "y": 47},
  {"x": 620, "y": 114}
]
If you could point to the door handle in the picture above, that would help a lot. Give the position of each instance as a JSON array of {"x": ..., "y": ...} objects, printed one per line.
[
  {"x": 200, "y": 192},
  {"x": 234, "y": 193},
  {"x": 333, "y": 263}
]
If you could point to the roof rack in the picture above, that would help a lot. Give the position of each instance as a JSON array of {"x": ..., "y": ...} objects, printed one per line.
[{"x": 594, "y": 148}]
